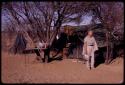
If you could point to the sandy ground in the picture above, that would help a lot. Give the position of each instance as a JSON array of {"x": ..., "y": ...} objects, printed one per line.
[{"x": 24, "y": 69}]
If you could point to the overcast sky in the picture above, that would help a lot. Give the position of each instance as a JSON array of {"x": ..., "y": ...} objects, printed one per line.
[{"x": 85, "y": 20}]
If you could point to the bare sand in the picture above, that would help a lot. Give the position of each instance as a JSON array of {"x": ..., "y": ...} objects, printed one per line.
[{"x": 24, "y": 69}]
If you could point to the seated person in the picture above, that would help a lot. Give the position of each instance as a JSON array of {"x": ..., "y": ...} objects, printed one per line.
[{"x": 40, "y": 46}]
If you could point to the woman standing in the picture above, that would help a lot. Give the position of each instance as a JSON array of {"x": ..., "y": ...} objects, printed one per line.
[{"x": 89, "y": 47}]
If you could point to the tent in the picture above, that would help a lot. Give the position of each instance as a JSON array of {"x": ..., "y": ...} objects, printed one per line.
[{"x": 19, "y": 44}]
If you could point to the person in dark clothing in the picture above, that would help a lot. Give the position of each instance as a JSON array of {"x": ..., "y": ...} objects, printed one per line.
[
  {"x": 60, "y": 43},
  {"x": 72, "y": 39}
]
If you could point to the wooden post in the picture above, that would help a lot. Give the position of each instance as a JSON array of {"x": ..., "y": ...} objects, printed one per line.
[
  {"x": 77, "y": 50},
  {"x": 106, "y": 48},
  {"x": 107, "y": 53},
  {"x": 111, "y": 46}
]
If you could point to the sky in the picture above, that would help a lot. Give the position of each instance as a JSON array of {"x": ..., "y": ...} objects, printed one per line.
[{"x": 86, "y": 19}]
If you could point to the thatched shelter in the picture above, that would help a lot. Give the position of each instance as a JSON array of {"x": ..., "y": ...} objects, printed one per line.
[{"x": 100, "y": 36}]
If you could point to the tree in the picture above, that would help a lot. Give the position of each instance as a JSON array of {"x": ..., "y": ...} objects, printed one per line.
[
  {"x": 43, "y": 16},
  {"x": 41, "y": 21},
  {"x": 111, "y": 16}
]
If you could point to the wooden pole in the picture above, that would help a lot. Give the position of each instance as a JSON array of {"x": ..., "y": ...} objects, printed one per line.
[
  {"x": 77, "y": 51},
  {"x": 110, "y": 50},
  {"x": 107, "y": 53}
]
